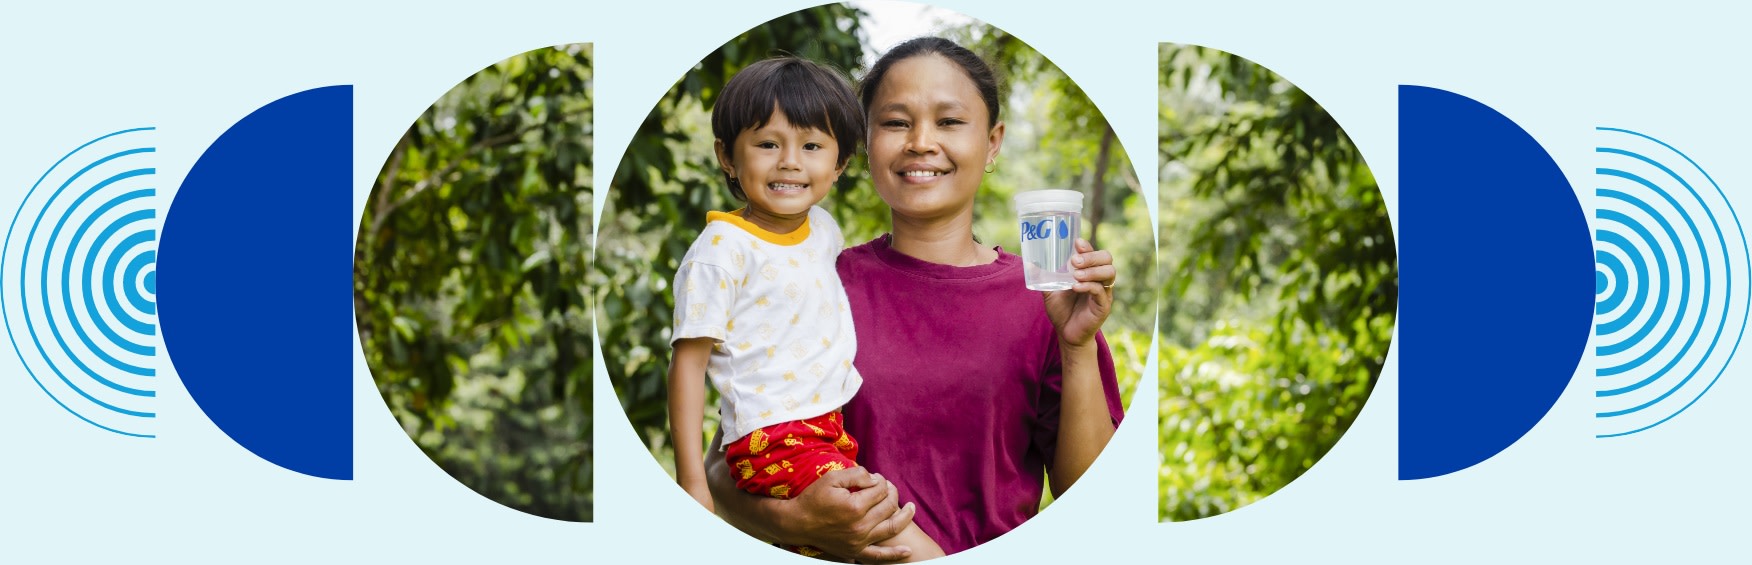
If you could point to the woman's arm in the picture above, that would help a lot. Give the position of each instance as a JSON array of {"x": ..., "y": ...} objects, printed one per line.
[
  {"x": 1084, "y": 425},
  {"x": 687, "y": 405},
  {"x": 827, "y": 515}
]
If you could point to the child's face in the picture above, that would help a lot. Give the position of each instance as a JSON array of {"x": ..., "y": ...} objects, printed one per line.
[
  {"x": 929, "y": 140},
  {"x": 783, "y": 170}
]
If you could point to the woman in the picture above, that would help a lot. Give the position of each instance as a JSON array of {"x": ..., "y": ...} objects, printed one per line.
[{"x": 975, "y": 388}]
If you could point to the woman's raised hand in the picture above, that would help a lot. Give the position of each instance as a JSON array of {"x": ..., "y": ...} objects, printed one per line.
[{"x": 1079, "y": 312}]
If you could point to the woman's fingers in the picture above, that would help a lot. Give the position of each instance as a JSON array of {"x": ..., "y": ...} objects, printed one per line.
[
  {"x": 889, "y": 528},
  {"x": 849, "y": 523},
  {"x": 1103, "y": 274},
  {"x": 868, "y": 496},
  {"x": 880, "y": 554},
  {"x": 862, "y": 478},
  {"x": 1092, "y": 258},
  {"x": 1091, "y": 288},
  {"x": 1095, "y": 272},
  {"x": 1088, "y": 253},
  {"x": 1079, "y": 314}
]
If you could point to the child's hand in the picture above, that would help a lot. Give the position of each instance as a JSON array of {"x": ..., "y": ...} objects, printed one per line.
[{"x": 1079, "y": 312}]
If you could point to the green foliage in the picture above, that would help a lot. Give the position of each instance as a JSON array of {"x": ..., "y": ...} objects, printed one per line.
[
  {"x": 1273, "y": 228},
  {"x": 469, "y": 282},
  {"x": 669, "y": 179}
]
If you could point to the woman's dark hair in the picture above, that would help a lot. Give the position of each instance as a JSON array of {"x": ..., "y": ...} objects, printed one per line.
[
  {"x": 810, "y": 94},
  {"x": 976, "y": 68}
]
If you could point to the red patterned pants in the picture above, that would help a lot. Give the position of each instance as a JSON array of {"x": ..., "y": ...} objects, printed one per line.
[{"x": 783, "y": 459}]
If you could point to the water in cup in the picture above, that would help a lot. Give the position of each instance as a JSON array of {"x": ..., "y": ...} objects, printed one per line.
[{"x": 1049, "y": 226}]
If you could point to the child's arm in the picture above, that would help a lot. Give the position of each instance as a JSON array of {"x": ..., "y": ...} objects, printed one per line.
[{"x": 687, "y": 404}]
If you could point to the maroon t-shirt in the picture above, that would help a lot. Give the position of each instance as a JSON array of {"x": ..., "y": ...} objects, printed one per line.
[{"x": 960, "y": 401}]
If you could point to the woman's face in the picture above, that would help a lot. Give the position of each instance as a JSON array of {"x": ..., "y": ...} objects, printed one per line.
[{"x": 929, "y": 140}]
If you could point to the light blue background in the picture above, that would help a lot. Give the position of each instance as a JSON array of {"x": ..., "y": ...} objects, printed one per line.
[{"x": 69, "y": 492}]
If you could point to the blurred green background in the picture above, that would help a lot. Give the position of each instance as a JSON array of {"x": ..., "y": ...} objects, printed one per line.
[
  {"x": 1281, "y": 282},
  {"x": 669, "y": 179},
  {"x": 469, "y": 282}
]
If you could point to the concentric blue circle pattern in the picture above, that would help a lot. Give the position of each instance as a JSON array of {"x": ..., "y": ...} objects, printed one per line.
[
  {"x": 1671, "y": 274},
  {"x": 80, "y": 290}
]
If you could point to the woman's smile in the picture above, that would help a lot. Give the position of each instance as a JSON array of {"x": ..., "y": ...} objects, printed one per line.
[{"x": 921, "y": 175}]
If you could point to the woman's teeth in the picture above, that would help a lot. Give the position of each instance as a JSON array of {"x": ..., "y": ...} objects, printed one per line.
[{"x": 922, "y": 173}]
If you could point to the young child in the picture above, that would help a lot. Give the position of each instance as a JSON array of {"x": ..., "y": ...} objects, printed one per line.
[{"x": 759, "y": 310}]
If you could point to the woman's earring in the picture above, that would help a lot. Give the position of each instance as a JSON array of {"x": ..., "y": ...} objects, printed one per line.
[{"x": 991, "y": 166}]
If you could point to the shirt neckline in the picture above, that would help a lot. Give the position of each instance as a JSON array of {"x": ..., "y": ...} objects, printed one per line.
[
  {"x": 735, "y": 218},
  {"x": 883, "y": 248}
]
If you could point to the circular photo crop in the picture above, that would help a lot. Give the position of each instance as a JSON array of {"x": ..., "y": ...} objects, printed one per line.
[
  {"x": 820, "y": 262},
  {"x": 1281, "y": 282},
  {"x": 469, "y": 282}
]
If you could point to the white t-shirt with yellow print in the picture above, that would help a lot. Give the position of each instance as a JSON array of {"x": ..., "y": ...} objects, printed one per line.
[{"x": 775, "y": 307}]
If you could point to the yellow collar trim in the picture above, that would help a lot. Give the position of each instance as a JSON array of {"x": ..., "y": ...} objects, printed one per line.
[{"x": 735, "y": 218}]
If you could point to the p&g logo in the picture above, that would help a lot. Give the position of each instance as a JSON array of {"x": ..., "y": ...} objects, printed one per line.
[{"x": 1042, "y": 230}]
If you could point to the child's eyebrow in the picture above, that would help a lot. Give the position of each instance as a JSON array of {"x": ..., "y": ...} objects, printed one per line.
[{"x": 793, "y": 127}]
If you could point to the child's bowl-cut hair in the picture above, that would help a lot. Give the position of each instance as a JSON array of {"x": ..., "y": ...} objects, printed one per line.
[{"x": 811, "y": 95}]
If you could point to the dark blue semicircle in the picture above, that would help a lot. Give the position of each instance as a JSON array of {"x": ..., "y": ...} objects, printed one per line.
[
  {"x": 1497, "y": 269},
  {"x": 256, "y": 305}
]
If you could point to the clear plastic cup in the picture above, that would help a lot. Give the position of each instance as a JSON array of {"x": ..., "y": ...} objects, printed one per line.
[{"x": 1050, "y": 220}]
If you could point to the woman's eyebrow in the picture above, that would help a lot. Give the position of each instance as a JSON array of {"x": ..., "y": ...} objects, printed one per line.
[
  {"x": 946, "y": 104},
  {"x": 951, "y": 104}
]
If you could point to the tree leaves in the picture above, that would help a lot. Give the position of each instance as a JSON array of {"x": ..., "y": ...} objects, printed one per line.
[
  {"x": 1282, "y": 285},
  {"x": 469, "y": 282}
]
